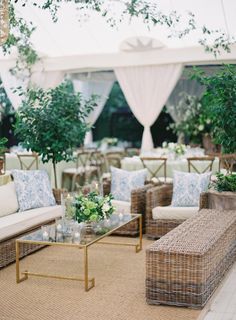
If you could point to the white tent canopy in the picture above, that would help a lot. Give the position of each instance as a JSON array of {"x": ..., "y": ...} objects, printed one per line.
[{"x": 74, "y": 43}]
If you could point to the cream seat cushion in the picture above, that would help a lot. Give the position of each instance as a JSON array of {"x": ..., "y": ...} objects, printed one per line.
[
  {"x": 21, "y": 221},
  {"x": 170, "y": 212},
  {"x": 8, "y": 199},
  {"x": 121, "y": 206}
]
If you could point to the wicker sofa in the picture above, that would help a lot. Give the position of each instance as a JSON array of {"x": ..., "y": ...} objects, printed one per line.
[
  {"x": 137, "y": 205},
  {"x": 186, "y": 265},
  {"x": 14, "y": 225}
]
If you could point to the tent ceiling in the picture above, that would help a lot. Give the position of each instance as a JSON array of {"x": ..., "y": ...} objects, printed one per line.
[{"x": 93, "y": 44}]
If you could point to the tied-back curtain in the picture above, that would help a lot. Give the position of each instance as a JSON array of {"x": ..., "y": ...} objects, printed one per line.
[
  {"x": 102, "y": 89},
  {"x": 146, "y": 90},
  {"x": 41, "y": 79}
]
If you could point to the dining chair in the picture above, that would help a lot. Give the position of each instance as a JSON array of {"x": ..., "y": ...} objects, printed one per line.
[
  {"x": 98, "y": 160},
  {"x": 3, "y": 163},
  {"x": 227, "y": 162},
  {"x": 154, "y": 166},
  {"x": 113, "y": 158},
  {"x": 82, "y": 173},
  {"x": 206, "y": 164},
  {"x": 28, "y": 161}
]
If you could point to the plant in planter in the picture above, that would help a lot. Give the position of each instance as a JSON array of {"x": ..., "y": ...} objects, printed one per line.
[
  {"x": 220, "y": 99},
  {"x": 3, "y": 149},
  {"x": 52, "y": 122},
  {"x": 222, "y": 193}
]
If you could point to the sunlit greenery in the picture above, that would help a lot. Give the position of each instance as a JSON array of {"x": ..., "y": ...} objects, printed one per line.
[{"x": 53, "y": 122}]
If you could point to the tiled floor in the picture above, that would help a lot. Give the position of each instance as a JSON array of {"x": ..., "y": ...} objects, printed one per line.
[{"x": 223, "y": 304}]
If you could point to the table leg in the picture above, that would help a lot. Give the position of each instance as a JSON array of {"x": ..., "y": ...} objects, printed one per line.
[
  {"x": 86, "y": 278},
  {"x": 18, "y": 278},
  {"x": 139, "y": 246}
]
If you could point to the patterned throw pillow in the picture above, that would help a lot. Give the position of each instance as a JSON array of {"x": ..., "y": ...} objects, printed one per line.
[
  {"x": 33, "y": 189},
  {"x": 187, "y": 188},
  {"x": 123, "y": 182}
]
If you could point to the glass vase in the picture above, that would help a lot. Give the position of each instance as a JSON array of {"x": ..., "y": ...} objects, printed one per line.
[{"x": 87, "y": 233}]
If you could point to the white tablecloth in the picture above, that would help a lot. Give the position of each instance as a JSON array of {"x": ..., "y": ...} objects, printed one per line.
[{"x": 134, "y": 163}]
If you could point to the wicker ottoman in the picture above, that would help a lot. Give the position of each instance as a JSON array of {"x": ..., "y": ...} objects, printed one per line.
[{"x": 186, "y": 265}]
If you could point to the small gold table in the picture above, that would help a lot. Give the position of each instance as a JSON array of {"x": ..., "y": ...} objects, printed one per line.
[{"x": 36, "y": 238}]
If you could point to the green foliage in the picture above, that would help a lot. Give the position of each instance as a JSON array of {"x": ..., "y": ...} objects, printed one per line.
[
  {"x": 5, "y": 104},
  {"x": 225, "y": 182},
  {"x": 196, "y": 120},
  {"x": 19, "y": 37},
  {"x": 3, "y": 142},
  {"x": 52, "y": 123},
  {"x": 220, "y": 99},
  {"x": 93, "y": 207}
]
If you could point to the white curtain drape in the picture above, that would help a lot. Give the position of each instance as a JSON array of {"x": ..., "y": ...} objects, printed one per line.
[
  {"x": 99, "y": 84},
  {"x": 47, "y": 80},
  {"x": 147, "y": 89},
  {"x": 41, "y": 79}
]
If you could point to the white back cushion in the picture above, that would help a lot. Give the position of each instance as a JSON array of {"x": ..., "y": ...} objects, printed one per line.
[{"x": 8, "y": 199}]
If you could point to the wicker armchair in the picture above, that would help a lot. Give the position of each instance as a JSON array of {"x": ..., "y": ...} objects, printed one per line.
[
  {"x": 159, "y": 196},
  {"x": 138, "y": 205}
]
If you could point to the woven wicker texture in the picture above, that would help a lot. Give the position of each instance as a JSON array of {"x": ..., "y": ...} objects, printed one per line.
[
  {"x": 218, "y": 200},
  {"x": 119, "y": 293},
  {"x": 159, "y": 196},
  {"x": 8, "y": 248},
  {"x": 185, "y": 266}
]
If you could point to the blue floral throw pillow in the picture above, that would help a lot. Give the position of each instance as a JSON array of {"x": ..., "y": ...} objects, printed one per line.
[
  {"x": 123, "y": 182},
  {"x": 187, "y": 188},
  {"x": 33, "y": 189}
]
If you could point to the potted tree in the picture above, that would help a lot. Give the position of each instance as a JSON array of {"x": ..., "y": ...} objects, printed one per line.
[
  {"x": 52, "y": 122},
  {"x": 220, "y": 98}
]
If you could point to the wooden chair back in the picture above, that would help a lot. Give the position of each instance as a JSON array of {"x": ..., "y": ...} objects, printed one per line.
[
  {"x": 113, "y": 158},
  {"x": 3, "y": 160},
  {"x": 83, "y": 159},
  {"x": 97, "y": 159},
  {"x": 160, "y": 163},
  {"x": 192, "y": 164},
  {"x": 228, "y": 162},
  {"x": 28, "y": 161}
]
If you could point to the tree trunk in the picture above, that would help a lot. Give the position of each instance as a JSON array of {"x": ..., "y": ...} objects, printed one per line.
[
  {"x": 55, "y": 173},
  {"x": 209, "y": 146}
]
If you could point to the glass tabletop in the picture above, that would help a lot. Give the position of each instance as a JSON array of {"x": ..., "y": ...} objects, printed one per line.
[{"x": 70, "y": 232}]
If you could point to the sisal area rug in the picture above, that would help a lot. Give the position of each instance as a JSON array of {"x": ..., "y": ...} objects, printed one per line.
[{"x": 119, "y": 292}]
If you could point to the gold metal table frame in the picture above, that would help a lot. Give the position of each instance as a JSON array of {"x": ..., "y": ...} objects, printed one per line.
[{"x": 89, "y": 283}]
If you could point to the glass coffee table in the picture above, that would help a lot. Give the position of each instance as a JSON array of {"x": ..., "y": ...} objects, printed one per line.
[{"x": 36, "y": 238}]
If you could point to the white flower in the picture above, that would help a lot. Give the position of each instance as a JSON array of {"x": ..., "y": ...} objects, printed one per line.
[
  {"x": 105, "y": 207},
  {"x": 201, "y": 127},
  {"x": 208, "y": 121}
]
